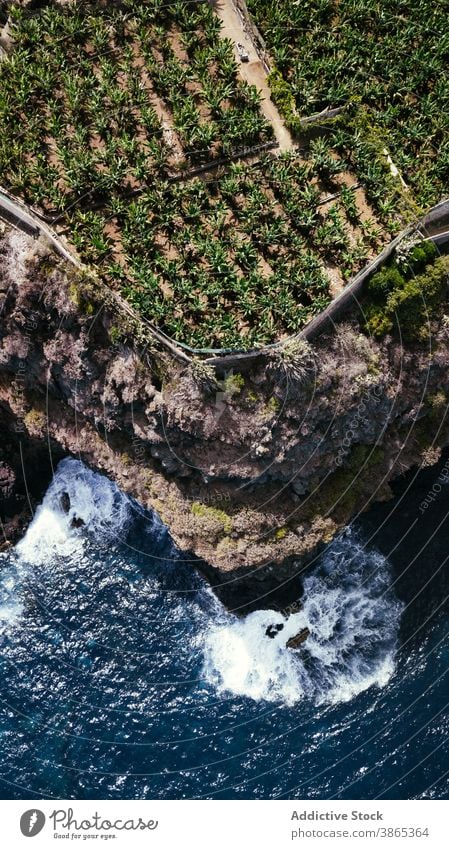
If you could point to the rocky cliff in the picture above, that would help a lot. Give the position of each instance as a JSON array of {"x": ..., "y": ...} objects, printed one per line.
[{"x": 253, "y": 471}]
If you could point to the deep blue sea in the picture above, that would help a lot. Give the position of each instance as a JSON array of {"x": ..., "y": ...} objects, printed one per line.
[{"x": 122, "y": 675}]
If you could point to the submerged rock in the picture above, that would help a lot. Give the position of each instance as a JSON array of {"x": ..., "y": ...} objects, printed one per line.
[
  {"x": 77, "y": 522},
  {"x": 273, "y": 630}
]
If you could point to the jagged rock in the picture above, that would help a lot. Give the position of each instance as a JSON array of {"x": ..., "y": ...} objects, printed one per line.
[
  {"x": 163, "y": 447},
  {"x": 65, "y": 502},
  {"x": 7, "y": 480},
  {"x": 273, "y": 630},
  {"x": 298, "y": 639},
  {"x": 77, "y": 522}
]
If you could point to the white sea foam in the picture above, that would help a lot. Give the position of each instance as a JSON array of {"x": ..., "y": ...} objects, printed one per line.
[
  {"x": 352, "y": 615},
  {"x": 353, "y": 619},
  {"x": 240, "y": 658},
  {"x": 10, "y": 604},
  {"x": 94, "y": 500},
  {"x": 10, "y": 612},
  {"x": 103, "y": 509}
]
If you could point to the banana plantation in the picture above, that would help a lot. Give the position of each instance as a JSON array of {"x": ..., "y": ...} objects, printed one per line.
[
  {"x": 100, "y": 99},
  {"x": 386, "y": 61},
  {"x": 105, "y": 111},
  {"x": 235, "y": 261}
]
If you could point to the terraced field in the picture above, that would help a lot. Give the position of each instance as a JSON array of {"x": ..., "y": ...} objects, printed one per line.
[
  {"x": 106, "y": 110},
  {"x": 102, "y": 98},
  {"x": 248, "y": 257},
  {"x": 386, "y": 60}
]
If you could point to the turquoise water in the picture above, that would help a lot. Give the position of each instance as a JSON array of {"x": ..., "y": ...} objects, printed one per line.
[{"x": 122, "y": 676}]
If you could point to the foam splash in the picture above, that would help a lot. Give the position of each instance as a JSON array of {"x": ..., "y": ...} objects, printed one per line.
[
  {"x": 348, "y": 606},
  {"x": 353, "y": 618},
  {"x": 10, "y": 606},
  {"x": 94, "y": 501},
  {"x": 241, "y": 659}
]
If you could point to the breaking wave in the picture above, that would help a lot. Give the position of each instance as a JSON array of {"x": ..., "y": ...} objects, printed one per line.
[
  {"x": 10, "y": 604},
  {"x": 347, "y": 604},
  {"x": 353, "y": 618},
  {"x": 121, "y": 674},
  {"x": 78, "y": 504}
]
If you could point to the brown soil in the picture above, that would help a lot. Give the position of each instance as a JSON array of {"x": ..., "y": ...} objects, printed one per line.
[
  {"x": 337, "y": 283},
  {"x": 253, "y": 71},
  {"x": 162, "y": 111}
]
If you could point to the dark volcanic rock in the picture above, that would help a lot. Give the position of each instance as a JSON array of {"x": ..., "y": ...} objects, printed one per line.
[
  {"x": 298, "y": 639},
  {"x": 253, "y": 479},
  {"x": 7, "y": 481},
  {"x": 65, "y": 502},
  {"x": 273, "y": 630}
]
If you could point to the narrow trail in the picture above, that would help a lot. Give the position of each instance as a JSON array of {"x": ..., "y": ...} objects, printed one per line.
[{"x": 252, "y": 71}]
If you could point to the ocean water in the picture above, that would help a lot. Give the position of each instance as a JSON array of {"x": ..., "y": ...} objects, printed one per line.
[{"x": 122, "y": 675}]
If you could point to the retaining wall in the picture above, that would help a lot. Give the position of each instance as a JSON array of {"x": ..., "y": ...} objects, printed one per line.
[{"x": 434, "y": 225}]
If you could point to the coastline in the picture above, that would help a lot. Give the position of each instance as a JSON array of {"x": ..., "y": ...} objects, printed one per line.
[{"x": 253, "y": 475}]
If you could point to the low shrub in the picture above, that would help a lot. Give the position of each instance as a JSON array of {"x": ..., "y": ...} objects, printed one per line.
[{"x": 407, "y": 304}]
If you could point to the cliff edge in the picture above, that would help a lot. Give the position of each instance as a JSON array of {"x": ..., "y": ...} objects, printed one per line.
[{"x": 253, "y": 471}]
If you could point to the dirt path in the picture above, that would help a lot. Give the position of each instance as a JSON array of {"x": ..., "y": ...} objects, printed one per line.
[{"x": 253, "y": 71}]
